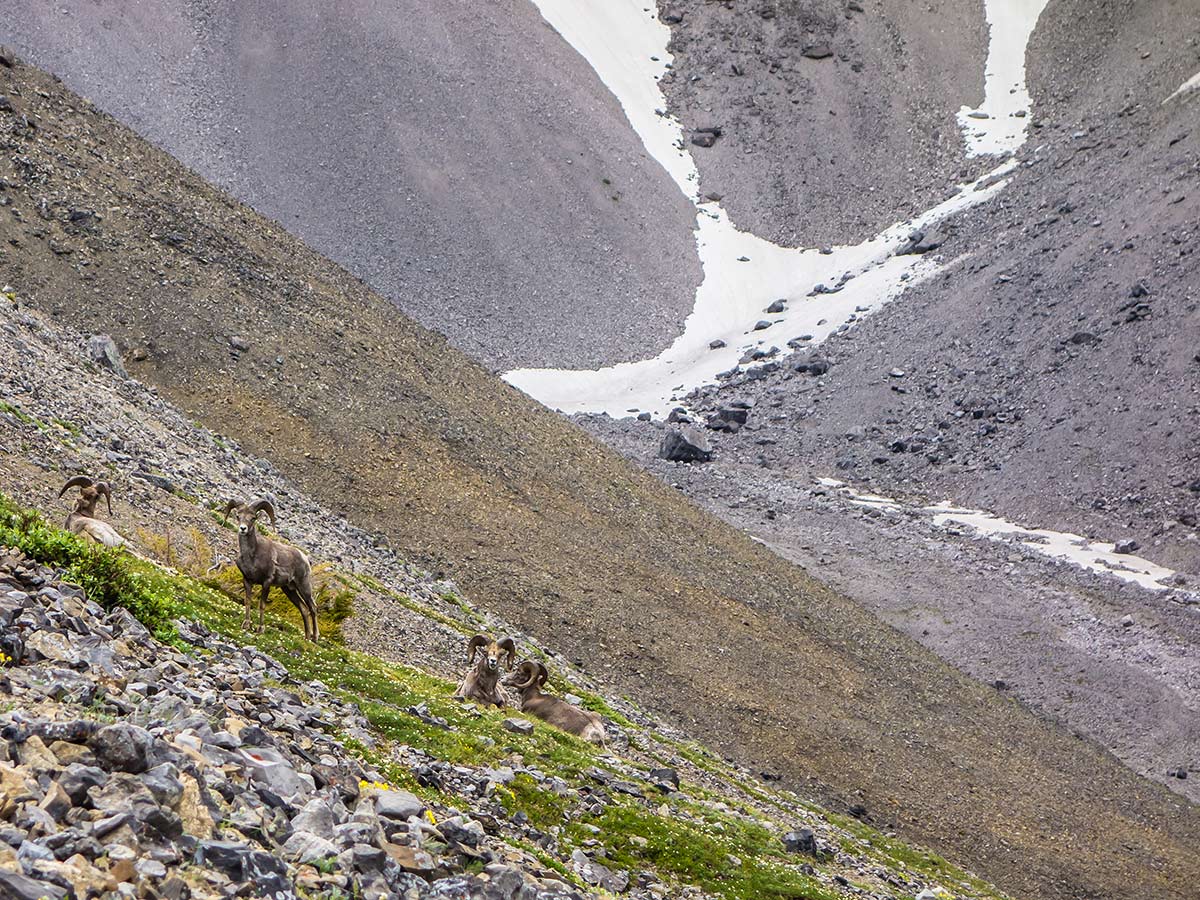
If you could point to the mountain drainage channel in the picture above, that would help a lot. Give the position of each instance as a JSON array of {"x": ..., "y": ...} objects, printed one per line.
[{"x": 824, "y": 291}]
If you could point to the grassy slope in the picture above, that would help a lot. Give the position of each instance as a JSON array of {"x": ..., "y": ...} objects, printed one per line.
[
  {"x": 690, "y": 845},
  {"x": 383, "y": 420}
]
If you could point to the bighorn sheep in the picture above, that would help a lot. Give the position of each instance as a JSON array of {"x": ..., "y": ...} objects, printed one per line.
[
  {"x": 482, "y": 683},
  {"x": 528, "y": 679},
  {"x": 82, "y": 518},
  {"x": 269, "y": 563}
]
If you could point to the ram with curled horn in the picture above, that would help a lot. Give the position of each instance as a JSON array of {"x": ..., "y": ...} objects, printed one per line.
[
  {"x": 82, "y": 519},
  {"x": 527, "y": 681},
  {"x": 482, "y": 683},
  {"x": 269, "y": 564}
]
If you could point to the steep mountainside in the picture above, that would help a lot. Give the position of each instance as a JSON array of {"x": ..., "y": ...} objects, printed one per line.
[
  {"x": 273, "y": 763},
  {"x": 257, "y": 336},
  {"x": 465, "y": 162}
]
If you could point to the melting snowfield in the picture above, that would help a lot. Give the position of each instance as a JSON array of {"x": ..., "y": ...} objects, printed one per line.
[
  {"x": 1095, "y": 556},
  {"x": 626, "y": 44}
]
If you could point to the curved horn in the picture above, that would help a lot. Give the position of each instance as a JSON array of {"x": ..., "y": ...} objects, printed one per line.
[
  {"x": 81, "y": 481},
  {"x": 229, "y": 506},
  {"x": 103, "y": 488},
  {"x": 527, "y": 673},
  {"x": 507, "y": 645},
  {"x": 263, "y": 506},
  {"x": 543, "y": 675},
  {"x": 480, "y": 640}
]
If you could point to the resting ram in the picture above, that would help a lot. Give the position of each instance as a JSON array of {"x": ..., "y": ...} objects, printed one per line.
[
  {"x": 482, "y": 683},
  {"x": 269, "y": 563},
  {"x": 528, "y": 680},
  {"x": 82, "y": 518}
]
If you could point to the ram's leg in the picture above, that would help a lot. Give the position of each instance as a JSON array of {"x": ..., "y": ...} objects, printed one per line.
[
  {"x": 304, "y": 589},
  {"x": 297, "y": 602},
  {"x": 247, "y": 622},
  {"x": 262, "y": 605}
]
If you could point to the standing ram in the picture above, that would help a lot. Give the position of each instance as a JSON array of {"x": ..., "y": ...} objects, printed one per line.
[{"x": 269, "y": 563}]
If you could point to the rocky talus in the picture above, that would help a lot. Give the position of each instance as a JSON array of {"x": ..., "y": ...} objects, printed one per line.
[{"x": 133, "y": 768}]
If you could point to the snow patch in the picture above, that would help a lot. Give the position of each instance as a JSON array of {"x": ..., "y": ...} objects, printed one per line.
[
  {"x": 1187, "y": 87},
  {"x": 998, "y": 126},
  {"x": 1095, "y": 556},
  {"x": 626, "y": 44}
]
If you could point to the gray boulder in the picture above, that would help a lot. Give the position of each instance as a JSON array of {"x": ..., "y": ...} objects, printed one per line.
[
  {"x": 102, "y": 350},
  {"x": 685, "y": 444},
  {"x": 122, "y": 747},
  {"x": 398, "y": 805}
]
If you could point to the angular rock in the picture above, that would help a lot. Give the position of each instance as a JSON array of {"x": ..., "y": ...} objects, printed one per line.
[
  {"x": 102, "y": 350},
  {"x": 685, "y": 444},
  {"x": 411, "y": 859},
  {"x": 18, "y": 887},
  {"x": 304, "y": 847},
  {"x": 802, "y": 840},
  {"x": 399, "y": 805},
  {"x": 122, "y": 747},
  {"x": 728, "y": 418}
]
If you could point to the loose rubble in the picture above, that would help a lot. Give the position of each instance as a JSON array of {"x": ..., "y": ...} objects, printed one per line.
[{"x": 133, "y": 767}]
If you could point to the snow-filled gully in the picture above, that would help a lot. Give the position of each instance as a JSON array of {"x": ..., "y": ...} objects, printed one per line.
[{"x": 626, "y": 44}]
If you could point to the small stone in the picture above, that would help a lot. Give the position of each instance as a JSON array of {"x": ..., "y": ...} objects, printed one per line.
[
  {"x": 238, "y": 343},
  {"x": 762, "y": 324},
  {"x": 150, "y": 869},
  {"x": 1127, "y": 621},
  {"x": 1126, "y": 546},
  {"x": 518, "y": 726},
  {"x": 716, "y": 345},
  {"x": 777, "y": 307},
  {"x": 818, "y": 51}
]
